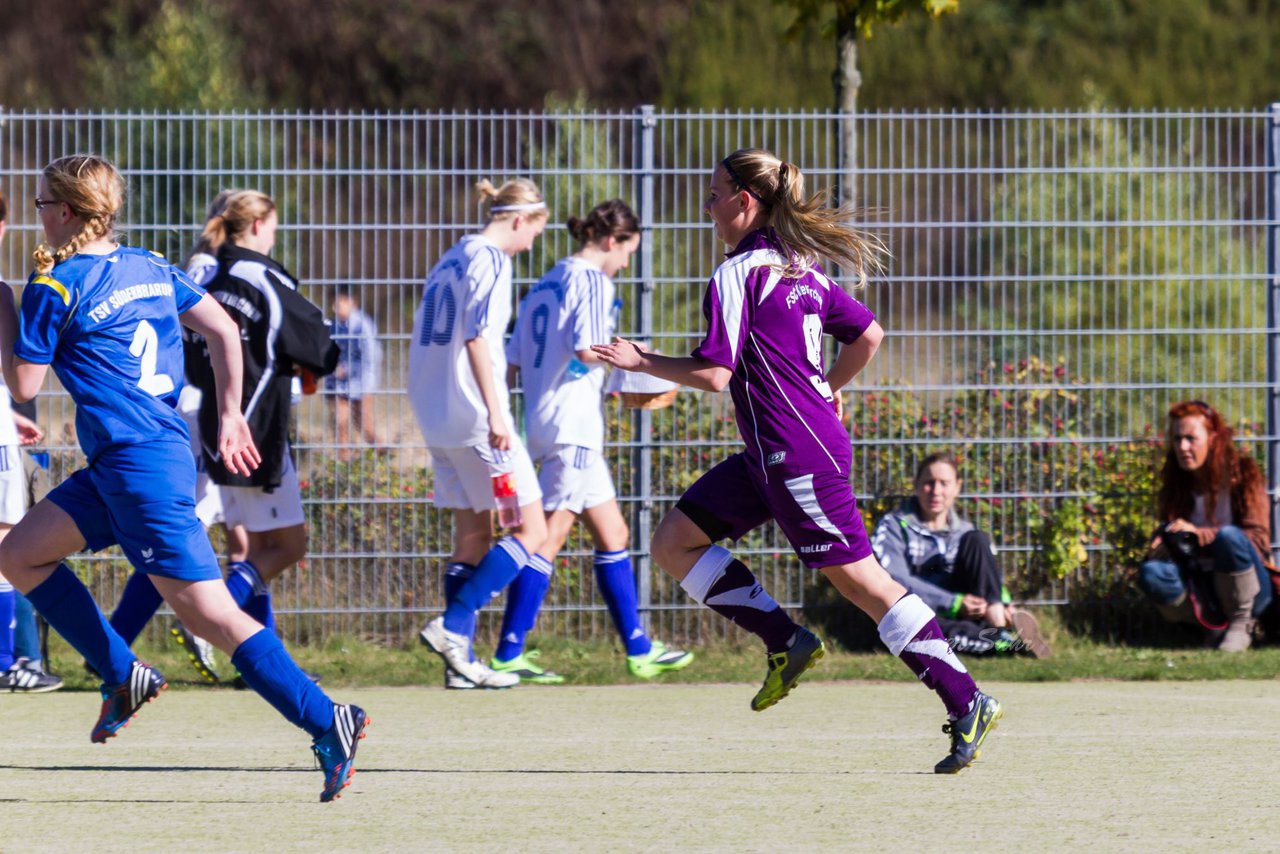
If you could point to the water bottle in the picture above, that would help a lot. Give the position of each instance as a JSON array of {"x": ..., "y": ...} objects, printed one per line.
[
  {"x": 504, "y": 496},
  {"x": 576, "y": 369}
]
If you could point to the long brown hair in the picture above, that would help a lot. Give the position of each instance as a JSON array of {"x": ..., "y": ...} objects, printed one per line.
[
  {"x": 1225, "y": 469},
  {"x": 240, "y": 210},
  {"x": 808, "y": 227}
]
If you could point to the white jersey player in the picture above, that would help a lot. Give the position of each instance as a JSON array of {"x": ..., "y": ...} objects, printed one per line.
[
  {"x": 563, "y": 315},
  {"x": 458, "y": 388}
]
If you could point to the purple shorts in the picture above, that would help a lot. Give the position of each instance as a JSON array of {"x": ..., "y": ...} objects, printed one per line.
[{"x": 815, "y": 510}]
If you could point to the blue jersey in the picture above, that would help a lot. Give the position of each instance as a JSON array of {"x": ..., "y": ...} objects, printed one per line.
[{"x": 108, "y": 326}]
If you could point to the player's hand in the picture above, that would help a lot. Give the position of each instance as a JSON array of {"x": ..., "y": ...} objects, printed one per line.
[
  {"x": 973, "y": 606},
  {"x": 1177, "y": 526},
  {"x": 840, "y": 406},
  {"x": 499, "y": 436},
  {"x": 622, "y": 353},
  {"x": 29, "y": 432},
  {"x": 235, "y": 445}
]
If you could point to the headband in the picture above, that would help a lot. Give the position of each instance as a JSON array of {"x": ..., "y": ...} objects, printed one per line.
[
  {"x": 733, "y": 176},
  {"x": 531, "y": 206}
]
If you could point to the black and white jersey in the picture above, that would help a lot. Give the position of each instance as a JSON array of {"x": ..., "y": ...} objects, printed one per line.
[{"x": 279, "y": 328}]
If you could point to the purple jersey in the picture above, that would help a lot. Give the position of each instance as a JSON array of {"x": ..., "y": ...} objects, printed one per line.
[{"x": 768, "y": 330}]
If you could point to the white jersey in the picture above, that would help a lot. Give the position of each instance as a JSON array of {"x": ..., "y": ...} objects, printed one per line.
[
  {"x": 570, "y": 309},
  {"x": 467, "y": 296},
  {"x": 201, "y": 268},
  {"x": 8, "y": 429}
]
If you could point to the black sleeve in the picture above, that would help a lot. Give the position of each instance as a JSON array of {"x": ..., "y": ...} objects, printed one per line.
[{"x": 304, "y": 336}]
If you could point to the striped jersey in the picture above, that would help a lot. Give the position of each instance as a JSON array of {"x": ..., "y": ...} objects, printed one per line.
[
  {"x": 108, "y": 326},
  {"x": 568, "y": 310},
  {"x": 768, "y": 330},
  {"x": 467, "y": 296}
]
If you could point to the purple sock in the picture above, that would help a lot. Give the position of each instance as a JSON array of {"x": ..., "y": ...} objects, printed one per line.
[
  {"x": 726, "y": 586},
  {"x": 912, "y": 633}
]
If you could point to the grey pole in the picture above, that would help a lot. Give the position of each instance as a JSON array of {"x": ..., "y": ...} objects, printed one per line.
[
  {"x": 642, "y": 419},
  {"x": 1273, "y": 317}
]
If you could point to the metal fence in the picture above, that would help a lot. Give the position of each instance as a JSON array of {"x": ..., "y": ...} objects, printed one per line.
[{"x": 1057, "y": 280}]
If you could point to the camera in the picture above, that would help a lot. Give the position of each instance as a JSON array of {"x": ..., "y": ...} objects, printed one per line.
[{"x": 1181, "y": 543}]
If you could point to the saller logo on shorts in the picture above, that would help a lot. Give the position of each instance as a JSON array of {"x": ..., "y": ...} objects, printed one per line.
[
  {"x": 775, "y": 458},
  {"x": 817, "y": 548}
]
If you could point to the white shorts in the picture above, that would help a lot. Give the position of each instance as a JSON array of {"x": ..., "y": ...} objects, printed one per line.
[
  {"x": 208, "y": 495},
  {"x": 259, "y": 510},
  {"x": 574, "y": 478},
  {"x": 464, "y": 476},
  {"x": 13, "y": 485}
]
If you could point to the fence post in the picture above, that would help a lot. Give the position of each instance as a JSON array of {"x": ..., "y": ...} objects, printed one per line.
[
  {"x": 1273, "y": 317},
  {"x": 642, "y": 419}
]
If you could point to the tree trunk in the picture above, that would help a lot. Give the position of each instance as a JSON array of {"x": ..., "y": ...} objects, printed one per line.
[{"x": 847, "y": 82}]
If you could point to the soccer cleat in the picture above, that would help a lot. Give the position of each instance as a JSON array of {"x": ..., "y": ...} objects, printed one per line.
[
  {"x": 786, "y": 668},
  {"x": 455, "y": 681},
  {"x": 1028, "y": 629},
  {"x": 523, "y": 666},
  {"x": 968, "y": 733},
  {"x": 658, "y": 660},
  {"x": 336, "y": 749},
  {"x": 27, "y": 678},
  {"x": 121, "y": 702},
  {"x": 198, "y": 650},
  {"x": 455, "y": 650}
]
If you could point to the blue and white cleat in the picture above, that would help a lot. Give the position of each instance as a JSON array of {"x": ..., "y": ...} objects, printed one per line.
[
  {"x": 336, "y": 749},
  {"x": 121, "y": 702}
]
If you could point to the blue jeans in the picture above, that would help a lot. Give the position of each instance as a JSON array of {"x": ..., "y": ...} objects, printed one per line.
[{"x": 1231, "y": 551}]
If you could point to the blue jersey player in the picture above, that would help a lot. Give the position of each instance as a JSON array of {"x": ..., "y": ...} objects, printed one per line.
[
  {"x": 106, "y": 318},
  {"x": 767, "y": 307}
]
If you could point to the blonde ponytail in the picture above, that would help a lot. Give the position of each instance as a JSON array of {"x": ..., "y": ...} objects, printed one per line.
[
  {"x": 809, "y": 228},
  {"x": 517, "y": 197}
]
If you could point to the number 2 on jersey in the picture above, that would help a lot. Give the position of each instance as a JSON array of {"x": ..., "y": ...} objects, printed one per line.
[{"x": 146, "y": 346}]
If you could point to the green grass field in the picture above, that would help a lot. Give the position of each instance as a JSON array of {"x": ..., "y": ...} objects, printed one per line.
[{"x": 838, "y": 766}]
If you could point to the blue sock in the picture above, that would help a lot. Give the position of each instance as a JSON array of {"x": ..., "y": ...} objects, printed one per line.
[
  {"x": 26, "y": 639},
  {"x": 251, "y": 592},
  {"x": 71, "y": 612},
  {"x": 8, "y": 599},
  {"x": 492, "y": 575},
  {"x": 456, "y": 575},
  {"x": 138, "y": 604},
  {"x": 524, "y": 599},
  {"x": 617, "y": 585},
  {"x": 268, "y": 669}
]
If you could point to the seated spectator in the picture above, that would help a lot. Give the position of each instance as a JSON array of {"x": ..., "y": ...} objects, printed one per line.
[
  {"x": 942, "y": 558},
  {"x": 1209, "y": 560}
]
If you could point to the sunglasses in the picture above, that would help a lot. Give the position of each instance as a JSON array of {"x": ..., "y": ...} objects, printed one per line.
[{"x": 41, "y": 204}]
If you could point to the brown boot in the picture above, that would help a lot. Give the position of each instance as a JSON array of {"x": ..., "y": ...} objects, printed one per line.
[
  {"x": 1177, "y": 611},
  {"x": 1236, "y": 592}
]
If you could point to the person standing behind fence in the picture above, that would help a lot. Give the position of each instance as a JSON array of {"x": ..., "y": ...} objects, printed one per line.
[
  {"x": 458, "y": 388},
  {"x": 21, "y": 665},
  {"x": 353, "y": 385},
  {"x": 570, "y": 309},
  {"x": 767, "y": 307},
  {"x": 940, "y": 556},
  {"x": 140, "y": 599},
  {"x": 1210, "y": 562},
  {"x": 105, "y": 317}
]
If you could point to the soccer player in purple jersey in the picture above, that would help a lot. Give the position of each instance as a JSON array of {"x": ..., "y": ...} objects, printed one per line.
[{"x": 767, "y": 308}]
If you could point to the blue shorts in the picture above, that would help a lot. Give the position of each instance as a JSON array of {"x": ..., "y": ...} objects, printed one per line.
[
  {"x": 143, "y": 498},
  {"x": 815, "y": 510}
]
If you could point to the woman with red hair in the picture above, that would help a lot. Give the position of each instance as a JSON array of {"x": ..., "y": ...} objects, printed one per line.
[{"x": 1208, "y": 563}]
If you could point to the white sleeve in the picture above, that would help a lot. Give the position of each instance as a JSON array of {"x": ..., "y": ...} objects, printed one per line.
[{"x": 488, "y": 269}]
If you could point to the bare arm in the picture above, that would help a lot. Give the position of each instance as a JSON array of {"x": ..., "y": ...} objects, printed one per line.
[
  {"x": 482, "y": 369},
  {"x": 685, "y": 370},
  {"x": 852, "y": 358},
  {"x": 23, "y": 378},
  {"x": 222, "y": 336}
]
